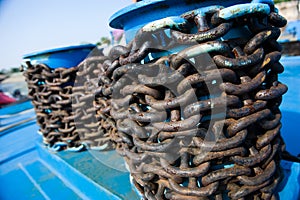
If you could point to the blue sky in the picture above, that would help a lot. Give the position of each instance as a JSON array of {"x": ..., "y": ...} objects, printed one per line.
[{"x": 32, "y": 25}]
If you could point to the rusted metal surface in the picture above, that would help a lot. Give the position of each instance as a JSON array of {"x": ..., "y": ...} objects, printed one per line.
[
  {"x": 70, "y": 113},
  {"x": 201, "y": 123},
  {"x": 90, "y": 108},
  {"x": 50, "y": 91},
  {"x": 189, "y": 128}
]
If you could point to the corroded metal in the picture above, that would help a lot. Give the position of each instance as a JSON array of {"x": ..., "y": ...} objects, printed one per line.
[
  {"x": 50, "y": 91},
  {"x": 71, "y": 114},
  {"x": 190, "y": 127},
  {"x": 202, "y": 123},
  {"x": 90, "y": 107}
]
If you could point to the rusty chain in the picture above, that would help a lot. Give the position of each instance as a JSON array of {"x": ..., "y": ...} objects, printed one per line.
[
  {"x": 90, "y": 108},
  {"x": 221, "y": 87},
  {"x": 69, "y": 112},
  {"x": 50, "y": 91},
  {"x": 203, "y": 123}
]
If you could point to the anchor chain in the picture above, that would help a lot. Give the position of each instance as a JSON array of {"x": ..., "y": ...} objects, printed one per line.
[
  {"x": 50, "y": 91},
  {"x": 90, "y": 108},
  {"x": 70, "y": 113},
  {"x": 203, "y": 123}
]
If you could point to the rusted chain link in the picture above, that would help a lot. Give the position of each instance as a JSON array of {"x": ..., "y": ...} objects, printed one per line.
[
  {"x": 70, "y": 112},
  {"x": 203, "y": 123},
  {"x": 90, "y": 107},
  {"x": 50, "y": 91}
]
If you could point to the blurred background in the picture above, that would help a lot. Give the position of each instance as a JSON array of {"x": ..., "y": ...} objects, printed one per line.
[{"x": 35, "y": 25}]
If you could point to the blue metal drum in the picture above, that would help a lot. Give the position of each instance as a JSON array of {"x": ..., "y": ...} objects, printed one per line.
[
  {"x": 135, "y": 16},
  {"x": 50, "y": 76},
  {"x": 65, "y": 57}
]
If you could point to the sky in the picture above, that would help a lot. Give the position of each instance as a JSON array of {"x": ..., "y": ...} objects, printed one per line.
[{"x": 28, "y": 26}]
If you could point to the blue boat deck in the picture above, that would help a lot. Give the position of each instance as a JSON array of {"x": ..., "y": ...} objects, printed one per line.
[
  {"x": 28, "y": 170},
  {"x": 290, "y": 105}
]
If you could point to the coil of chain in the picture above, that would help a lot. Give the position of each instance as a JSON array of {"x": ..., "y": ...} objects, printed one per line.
[
  {"x": 165, "y": 108},
  {"x": 50, "y": 91},
  {"x": 68, "y": 106},
  {"x": 90, "y": 107}
]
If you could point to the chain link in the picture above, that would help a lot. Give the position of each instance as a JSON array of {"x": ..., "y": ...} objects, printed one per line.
[
  {"x": 161, "y": 130},
  {"x": 91, "y": 110},
  {"x": 50, "y": 91},
  {"x": 202, "y": 123},
  {"x": 70, "y": 113}
]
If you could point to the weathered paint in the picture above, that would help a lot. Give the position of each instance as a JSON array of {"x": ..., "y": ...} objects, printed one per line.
[
  {"x": 203, "y": 11},
  {"x": 243, "y": 9},
  {"x": 168, "y": 22}
]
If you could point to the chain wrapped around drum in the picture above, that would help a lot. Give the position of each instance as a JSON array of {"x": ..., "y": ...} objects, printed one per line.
[
  {"x": 71, "y": 113},
  {"x": 91, "y": 107},
  {"x": 50, "y": 91},
  {"x": 203, "y": 123}
]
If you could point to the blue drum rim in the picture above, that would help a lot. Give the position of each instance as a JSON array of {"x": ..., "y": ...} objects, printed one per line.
[
  {"x": 117, "y": 19},
  {"x": 114, "y": 20},
  {"x": 59, "y": 50}
]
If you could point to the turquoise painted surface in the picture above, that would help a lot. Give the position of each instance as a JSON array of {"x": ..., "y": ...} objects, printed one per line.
[{"x": 290, "y": 105}]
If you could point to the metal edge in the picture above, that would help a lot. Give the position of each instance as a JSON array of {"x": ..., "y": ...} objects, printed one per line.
[
  {"x": 59, "y": 49},
  {"x": 116, "y": 18}
]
